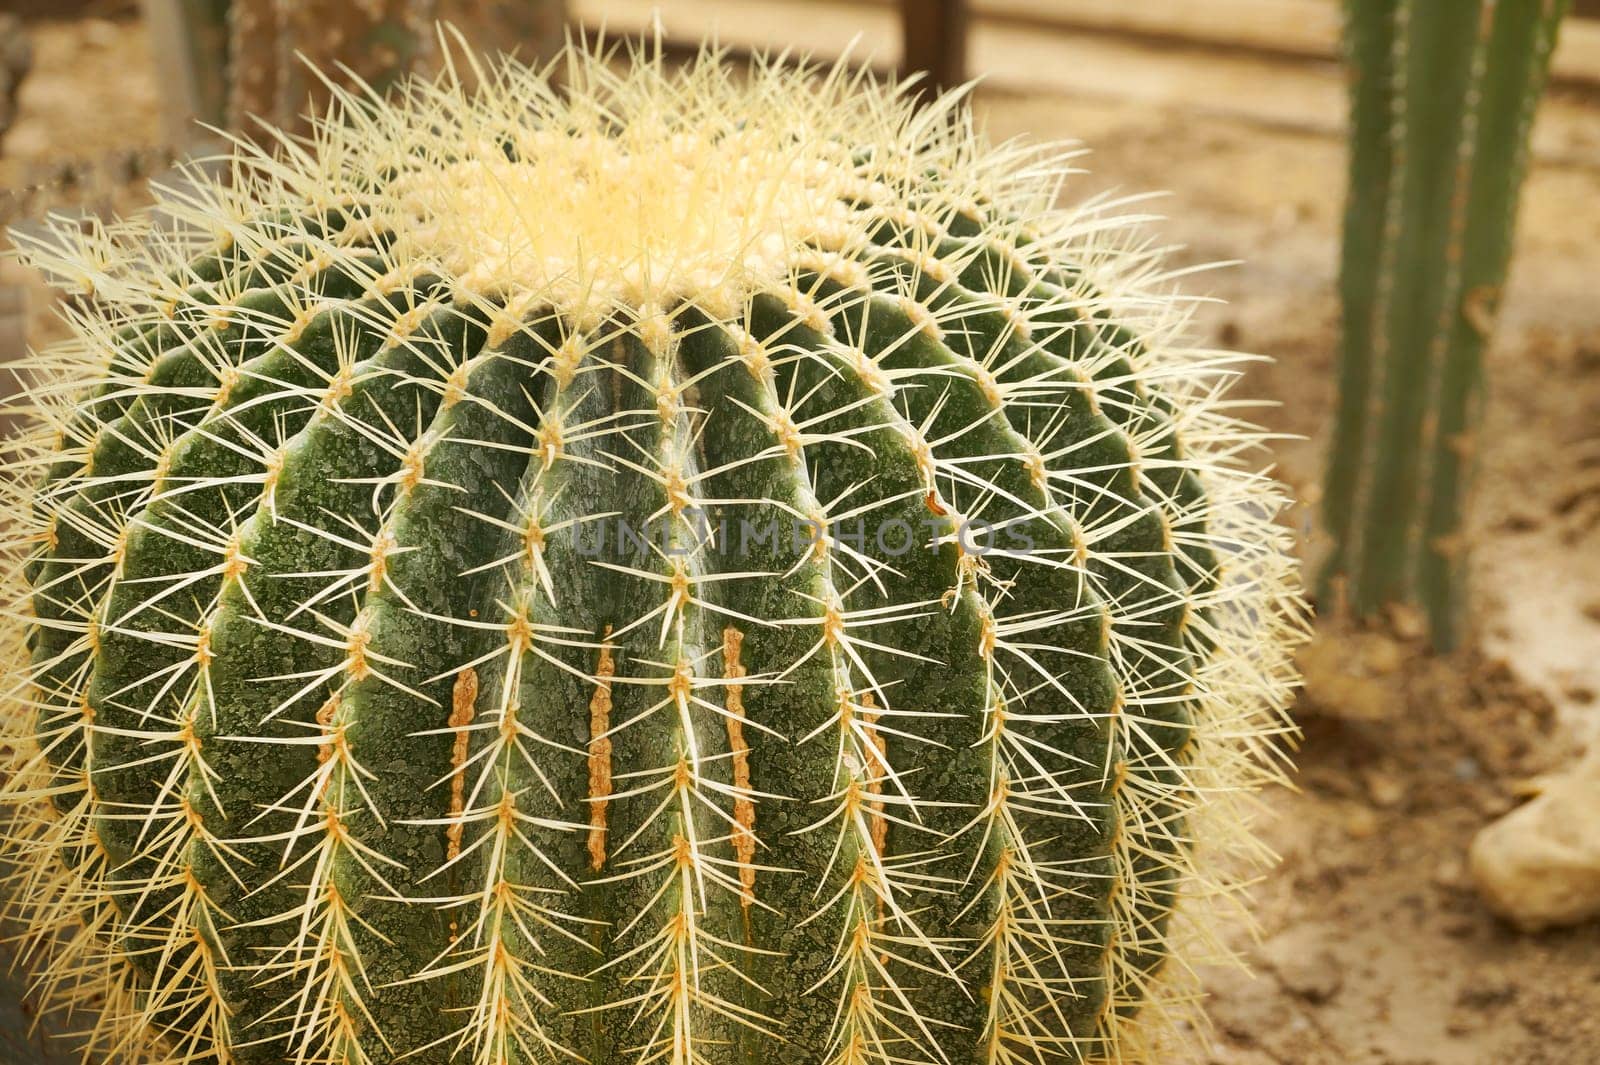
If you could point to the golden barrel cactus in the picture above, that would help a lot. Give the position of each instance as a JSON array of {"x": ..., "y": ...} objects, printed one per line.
[{"x": 692, "y": 567}]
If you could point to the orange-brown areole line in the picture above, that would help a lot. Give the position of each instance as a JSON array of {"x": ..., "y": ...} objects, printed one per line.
[
  {"x": 877, "y": 769},
  {"x": 600, "y": 753},
  {"x": 325, "y": 715},
  {"x": 744, "y": 807},
  {"x": 462, "y": 697}
]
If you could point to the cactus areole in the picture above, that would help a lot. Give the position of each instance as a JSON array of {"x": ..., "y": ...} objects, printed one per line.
[{"x": 690, "y": 567}]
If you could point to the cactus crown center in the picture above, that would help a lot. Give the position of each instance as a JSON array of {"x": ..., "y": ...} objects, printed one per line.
[{"x": 678, "y": 206}]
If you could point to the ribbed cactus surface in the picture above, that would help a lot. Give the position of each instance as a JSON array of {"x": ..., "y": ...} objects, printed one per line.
[
  {"x": 691, "y": 568},
  {"x": 1442, "y": 101}
]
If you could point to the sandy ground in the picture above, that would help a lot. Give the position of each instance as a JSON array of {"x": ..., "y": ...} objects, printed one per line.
[{"x": 1372, "y": 948}]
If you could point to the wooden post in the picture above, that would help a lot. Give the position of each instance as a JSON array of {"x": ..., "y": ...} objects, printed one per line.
[{"x": 935, "y": 37}]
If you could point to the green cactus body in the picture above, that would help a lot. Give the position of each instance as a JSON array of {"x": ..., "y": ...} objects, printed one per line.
[
  {"x": 678, "y": 569},
  {"x": 1442, "y": 101}
]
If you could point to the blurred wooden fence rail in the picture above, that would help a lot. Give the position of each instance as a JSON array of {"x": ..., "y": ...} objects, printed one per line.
[
  {"x": 1301, "y": 28},
  {"x": 226, "y": 60},
  {"x": 1225, "y": 58}
]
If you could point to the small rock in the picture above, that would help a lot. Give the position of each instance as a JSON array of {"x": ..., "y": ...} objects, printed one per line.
[
  {"x": 1386, "y": 789},
  {"x": 1360, "y": 823},
  {"x": 1486, "y": 994},
  {"x": 1450, "y": 874},
  {"x": 1407, "y": 622},
  {"x": 1493, "y": 803},
  {"x": 100, "y": 33},
  {"x": 1539, "y": 866},
  {"x": 1519, "y": 521},
  {"x": 1384, "y": 656},
  {"x": 1311, "y": 974}
]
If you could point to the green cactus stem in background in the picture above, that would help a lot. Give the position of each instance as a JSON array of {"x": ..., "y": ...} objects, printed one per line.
[
  {"x": 234, "y": 64},
  {"x": 1442, "y": 99},
  {"x": 702, "y": 566}
]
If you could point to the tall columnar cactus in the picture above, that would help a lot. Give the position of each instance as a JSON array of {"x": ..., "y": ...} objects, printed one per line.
[
  {"x": 1442, "y": 99},
  {"x": 692, "y": 568}
]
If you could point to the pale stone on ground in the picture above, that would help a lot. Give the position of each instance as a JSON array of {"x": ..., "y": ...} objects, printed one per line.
[{"x": 1539, "y": 865}]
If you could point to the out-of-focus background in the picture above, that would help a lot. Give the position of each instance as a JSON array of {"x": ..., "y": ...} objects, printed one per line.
[{"x": 1374, "y": 947}]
